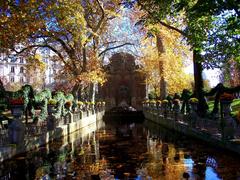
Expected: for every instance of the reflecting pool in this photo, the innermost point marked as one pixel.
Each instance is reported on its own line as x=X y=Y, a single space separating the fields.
x=115 y=150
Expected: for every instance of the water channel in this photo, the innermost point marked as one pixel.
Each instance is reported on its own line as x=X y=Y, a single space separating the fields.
x=108 y=150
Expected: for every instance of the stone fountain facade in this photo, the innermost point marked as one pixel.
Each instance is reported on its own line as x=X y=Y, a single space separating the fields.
x=125 y=85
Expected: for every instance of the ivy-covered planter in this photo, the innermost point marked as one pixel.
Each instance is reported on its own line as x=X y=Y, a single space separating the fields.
x=51 y=107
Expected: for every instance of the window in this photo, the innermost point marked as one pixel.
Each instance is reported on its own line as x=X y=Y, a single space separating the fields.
x=13 y=59
x=12 y=79
x=21 y=69
x=12 y=69
x=21 y=80
x=21 y=60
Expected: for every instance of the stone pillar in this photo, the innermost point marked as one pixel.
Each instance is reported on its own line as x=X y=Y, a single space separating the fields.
x=16 y=130
x=228 y=125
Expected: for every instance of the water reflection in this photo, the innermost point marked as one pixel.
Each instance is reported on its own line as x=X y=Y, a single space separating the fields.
x=123 y=151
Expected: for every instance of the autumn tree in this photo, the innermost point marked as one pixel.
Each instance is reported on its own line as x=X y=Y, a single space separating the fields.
x=210 y=26
x=72 y=30
x=172 y=61
x=169 y=46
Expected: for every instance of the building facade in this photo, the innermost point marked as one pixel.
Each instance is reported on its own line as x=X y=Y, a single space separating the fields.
x=125 y=84
x=13 y=70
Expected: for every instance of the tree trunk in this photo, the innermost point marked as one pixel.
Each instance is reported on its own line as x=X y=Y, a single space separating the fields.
x=76 y=91
x=198 y=89
x=92 y=92
x=163 y=83
x=163 y=88
x=84 y=69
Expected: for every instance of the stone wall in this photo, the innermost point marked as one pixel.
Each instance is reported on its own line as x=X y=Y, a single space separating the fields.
x=32 y=142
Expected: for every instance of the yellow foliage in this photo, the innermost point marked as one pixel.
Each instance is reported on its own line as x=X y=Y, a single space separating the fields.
x=171 y=62
x=92 y=77
x=66 y=28
x=35 y=63
x=35 y=71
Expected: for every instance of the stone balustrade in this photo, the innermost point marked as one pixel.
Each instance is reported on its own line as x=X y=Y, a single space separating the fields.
x=39 y=133
x=221 y=131
x=224 y=126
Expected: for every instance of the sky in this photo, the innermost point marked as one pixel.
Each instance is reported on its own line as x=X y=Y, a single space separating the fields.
x=212 y=74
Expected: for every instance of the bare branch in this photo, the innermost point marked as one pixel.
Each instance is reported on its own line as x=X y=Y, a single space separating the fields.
x=64 y=45
x=173 y=28
x=70 y=51
x=45 y=46
x=100 y=22
x=102 y=18
x=115 y=47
